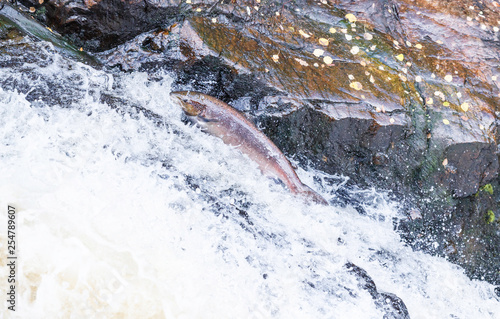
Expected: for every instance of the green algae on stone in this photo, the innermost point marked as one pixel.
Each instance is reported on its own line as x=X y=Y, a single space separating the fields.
x=487 y=188
x=490 y=217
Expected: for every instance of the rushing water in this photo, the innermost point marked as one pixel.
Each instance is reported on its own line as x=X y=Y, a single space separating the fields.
x=125 y=211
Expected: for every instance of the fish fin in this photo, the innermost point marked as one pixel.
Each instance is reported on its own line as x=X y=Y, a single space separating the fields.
x=204 y=119
x=277 y=181
x=311 y=194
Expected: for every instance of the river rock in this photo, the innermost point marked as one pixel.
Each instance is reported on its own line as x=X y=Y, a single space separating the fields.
x=402 y=95
x=103 y=24
x=391 y=305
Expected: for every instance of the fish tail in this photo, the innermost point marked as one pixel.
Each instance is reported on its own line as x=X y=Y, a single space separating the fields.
x=309 y=193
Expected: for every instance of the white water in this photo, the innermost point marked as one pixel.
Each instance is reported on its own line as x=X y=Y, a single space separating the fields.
x=121 y=218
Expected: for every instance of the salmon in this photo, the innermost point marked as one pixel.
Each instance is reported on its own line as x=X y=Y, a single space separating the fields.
x=220 y=119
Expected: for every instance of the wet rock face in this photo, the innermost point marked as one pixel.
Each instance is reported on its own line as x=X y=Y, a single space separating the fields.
x=385 y=155
x=469 y=166
x=391 y=305
x=98 y=25
x=370 y=152
x=403 y=95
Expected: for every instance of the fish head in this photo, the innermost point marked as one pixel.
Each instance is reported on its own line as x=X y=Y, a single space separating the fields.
x=189 y=103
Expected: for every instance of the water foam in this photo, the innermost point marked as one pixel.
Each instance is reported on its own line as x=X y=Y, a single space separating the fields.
x=121 y=214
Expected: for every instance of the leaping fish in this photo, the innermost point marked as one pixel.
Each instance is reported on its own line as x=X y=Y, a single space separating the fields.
x=219 y=119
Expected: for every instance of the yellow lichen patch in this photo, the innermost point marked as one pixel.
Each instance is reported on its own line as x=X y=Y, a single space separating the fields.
x=446 y=103
x=446 y=122
x=332 y=30
x=318 y=52
x=305 y=35
x=400 y=57
x=448 y=78
x=356 y=85
x=372 y=80
x=418 y=46
x=429 y=101
x=465 y=106
x=323 y=41
x=351 y=17
x=328 y=60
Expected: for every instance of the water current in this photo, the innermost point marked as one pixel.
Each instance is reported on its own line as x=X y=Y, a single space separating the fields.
x=126 y=211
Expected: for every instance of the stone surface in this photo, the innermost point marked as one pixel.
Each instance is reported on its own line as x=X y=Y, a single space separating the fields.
x=19 y=20
x=103 y=24
x=391 y=305
x=402 y=95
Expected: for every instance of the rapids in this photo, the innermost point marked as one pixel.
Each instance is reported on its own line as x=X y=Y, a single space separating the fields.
x=125 y=211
